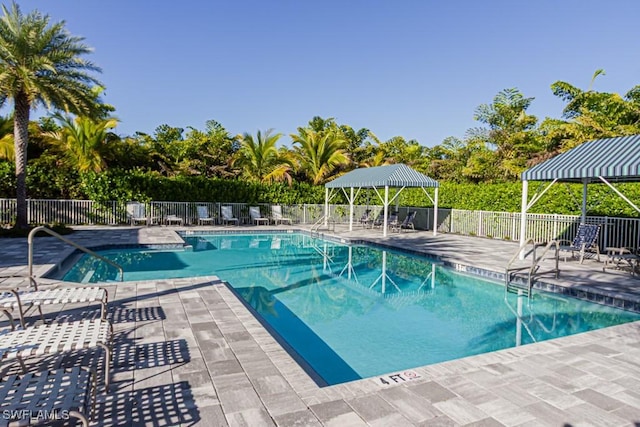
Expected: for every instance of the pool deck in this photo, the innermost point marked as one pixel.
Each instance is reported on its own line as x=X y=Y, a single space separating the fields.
x=188 y=352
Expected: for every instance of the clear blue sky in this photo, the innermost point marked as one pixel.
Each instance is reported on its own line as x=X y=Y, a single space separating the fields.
x=416 y=69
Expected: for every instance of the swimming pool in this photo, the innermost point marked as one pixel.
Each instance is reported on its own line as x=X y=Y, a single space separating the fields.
x=351 y=312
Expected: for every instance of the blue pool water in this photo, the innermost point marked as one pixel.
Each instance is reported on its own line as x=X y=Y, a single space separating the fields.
x=353 y=312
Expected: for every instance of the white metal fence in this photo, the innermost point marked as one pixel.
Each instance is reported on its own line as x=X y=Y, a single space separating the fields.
x=616 y=232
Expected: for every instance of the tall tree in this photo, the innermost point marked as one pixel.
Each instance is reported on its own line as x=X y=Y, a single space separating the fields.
x=41 y=64
x=590 y=115
x=511 y=131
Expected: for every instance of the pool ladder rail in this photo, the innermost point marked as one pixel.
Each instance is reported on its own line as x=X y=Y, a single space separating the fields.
x=50 y=232
x=323 y=223
x=519 y=279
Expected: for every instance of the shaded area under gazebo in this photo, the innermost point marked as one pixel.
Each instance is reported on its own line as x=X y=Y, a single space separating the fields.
x=378 y=178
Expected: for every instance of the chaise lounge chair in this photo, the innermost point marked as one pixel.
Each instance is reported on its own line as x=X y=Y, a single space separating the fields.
x=254 y=213
x=136 y=212
x=406 y=224
x=203 y=215
x=54 y=338
x=622 y=258
x=366 y=219
x=392 y=220
x=15 y=296
x=227 y=215
x=48 y=396
x=585 y=241
x=173 y=219
x=276 y=215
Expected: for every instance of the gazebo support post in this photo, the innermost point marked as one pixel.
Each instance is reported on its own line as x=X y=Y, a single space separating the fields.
x=583 y=217
x=326 y=207
x=351 y=199
x=386 y=210
x=523 y=217
x=435 y=212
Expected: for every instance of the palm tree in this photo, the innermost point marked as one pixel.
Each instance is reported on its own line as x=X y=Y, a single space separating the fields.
x=320 y=154
x=83 y=142
x=261 y=160
x=40 y=64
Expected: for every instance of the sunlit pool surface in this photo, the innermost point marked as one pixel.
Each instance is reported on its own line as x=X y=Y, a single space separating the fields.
x=354 y=312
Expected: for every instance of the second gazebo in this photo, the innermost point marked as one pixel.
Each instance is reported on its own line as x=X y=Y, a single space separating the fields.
x=380 y=179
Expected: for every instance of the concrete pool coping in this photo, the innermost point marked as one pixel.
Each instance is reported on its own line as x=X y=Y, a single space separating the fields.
x=237 y=373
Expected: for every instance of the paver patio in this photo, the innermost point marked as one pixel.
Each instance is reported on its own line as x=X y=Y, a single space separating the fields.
x=188 y=352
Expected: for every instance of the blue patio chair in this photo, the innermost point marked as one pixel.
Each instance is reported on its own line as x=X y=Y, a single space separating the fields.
x=585 y=241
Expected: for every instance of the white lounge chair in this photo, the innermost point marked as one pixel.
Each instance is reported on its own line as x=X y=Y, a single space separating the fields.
x=16 y=295
x=203 y=215
x=136 y=212
x=54 y=338
x=173 y=219
x=227 y=215
x=49 y=394
x=256 y=217
x=276 y=214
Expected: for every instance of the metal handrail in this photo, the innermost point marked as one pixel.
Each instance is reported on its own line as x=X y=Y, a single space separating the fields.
x=546 y=249
x=33 y=232
x=316 y=225
x=534 y=262
x=517 y=254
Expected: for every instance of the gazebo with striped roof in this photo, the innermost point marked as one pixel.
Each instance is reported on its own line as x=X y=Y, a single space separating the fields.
x=601 y=160
x=382 y=177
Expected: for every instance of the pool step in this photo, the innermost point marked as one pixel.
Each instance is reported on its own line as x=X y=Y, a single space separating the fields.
x=87 y=277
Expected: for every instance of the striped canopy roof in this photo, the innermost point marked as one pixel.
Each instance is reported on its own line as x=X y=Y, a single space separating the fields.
x=616 y=159
x=399 y=175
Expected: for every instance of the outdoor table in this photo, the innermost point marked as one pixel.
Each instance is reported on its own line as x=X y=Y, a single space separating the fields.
x=621 y=258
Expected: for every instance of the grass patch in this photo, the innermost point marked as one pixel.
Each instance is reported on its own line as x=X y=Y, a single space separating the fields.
x=24 y=232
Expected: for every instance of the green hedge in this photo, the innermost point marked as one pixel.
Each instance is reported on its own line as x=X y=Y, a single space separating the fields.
x=139 y=185
x=506 y=197
x=47 y=180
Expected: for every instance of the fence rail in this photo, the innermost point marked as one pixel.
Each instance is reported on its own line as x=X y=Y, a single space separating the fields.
x=614 y=231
